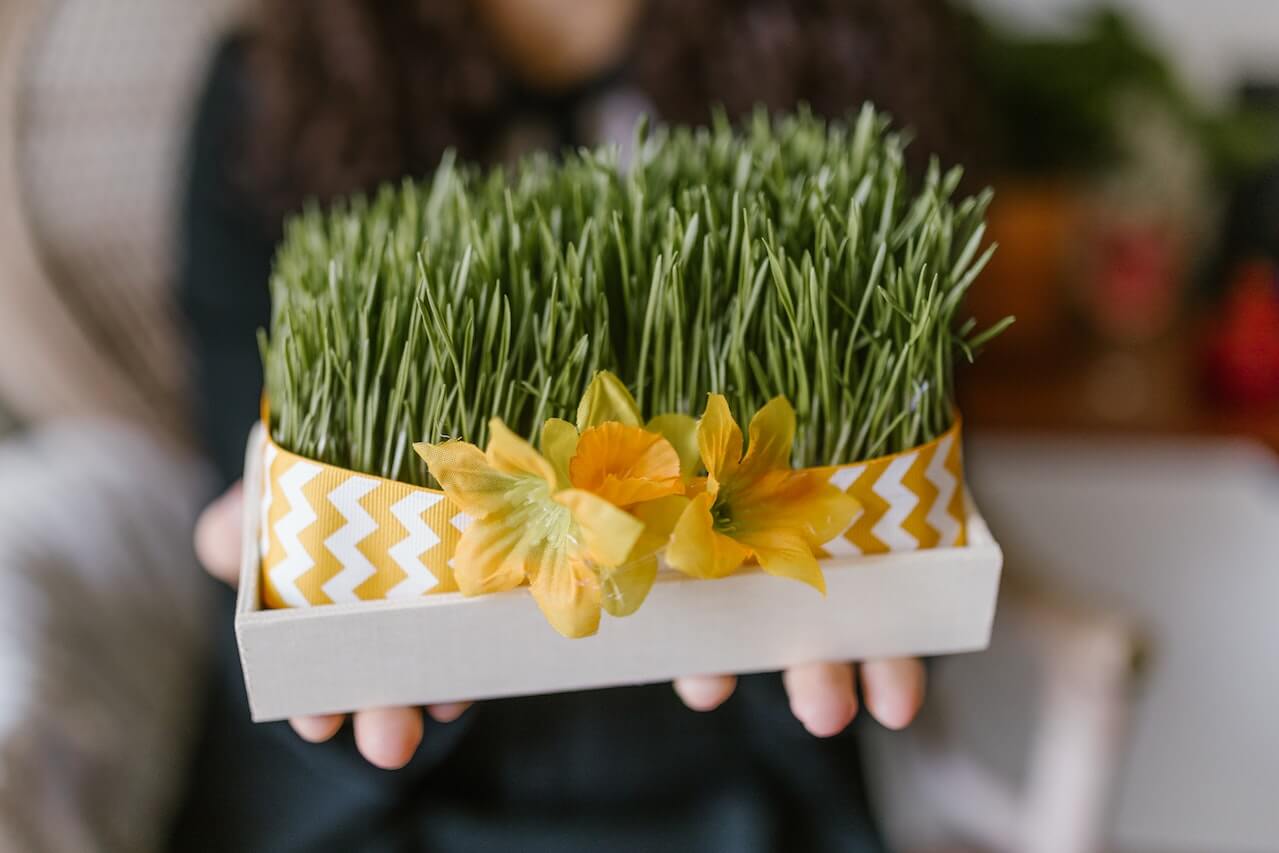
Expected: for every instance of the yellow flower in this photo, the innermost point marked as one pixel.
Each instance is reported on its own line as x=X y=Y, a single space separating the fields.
x=581 y=524
x=525 y=528
x=610 y=454
x=610 y=466
x=756 y=506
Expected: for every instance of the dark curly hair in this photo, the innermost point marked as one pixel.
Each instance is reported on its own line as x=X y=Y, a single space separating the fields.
x=907 y=56
x=347 y=94
x=350 y=93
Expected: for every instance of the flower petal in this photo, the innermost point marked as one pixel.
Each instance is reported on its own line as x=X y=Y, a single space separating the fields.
x=607 y=533
x=567 y=591
x=559 y=443
x=719 y=440
x=659 y=518
x=490 y=556
x=607 y=399
x=464 y=473
x=625 y=465
x=828 y=510
x=510 y=454
x=802 y=501
x=786 y=554
x=681 y=432
x=697 y=550
x=772 y=435
x=624 y=588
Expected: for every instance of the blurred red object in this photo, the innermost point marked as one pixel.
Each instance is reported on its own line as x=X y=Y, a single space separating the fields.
x=1135 y=287
x=1242 y=350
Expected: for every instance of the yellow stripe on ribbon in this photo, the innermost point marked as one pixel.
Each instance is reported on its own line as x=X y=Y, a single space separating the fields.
x=909 y=501
x=332 y=535
x=335 y=536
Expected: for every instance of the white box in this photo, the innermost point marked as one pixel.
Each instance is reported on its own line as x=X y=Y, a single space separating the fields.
x=442 y=648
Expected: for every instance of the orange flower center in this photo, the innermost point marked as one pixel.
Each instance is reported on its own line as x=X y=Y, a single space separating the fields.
x=625 y=465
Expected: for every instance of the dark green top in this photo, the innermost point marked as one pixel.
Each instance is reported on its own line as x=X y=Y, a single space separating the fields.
x=623 y=769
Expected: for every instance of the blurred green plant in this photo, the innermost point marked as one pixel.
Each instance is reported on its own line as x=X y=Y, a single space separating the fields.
x=1059 y=100
x=789 y=257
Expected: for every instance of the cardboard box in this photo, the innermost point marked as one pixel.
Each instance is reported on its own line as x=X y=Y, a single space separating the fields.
x=442 y=648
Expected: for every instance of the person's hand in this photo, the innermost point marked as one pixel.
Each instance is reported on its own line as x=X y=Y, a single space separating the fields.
x=821 y=695
x=386 y=737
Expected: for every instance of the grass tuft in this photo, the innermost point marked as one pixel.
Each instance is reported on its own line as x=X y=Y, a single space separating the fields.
x=789 y=256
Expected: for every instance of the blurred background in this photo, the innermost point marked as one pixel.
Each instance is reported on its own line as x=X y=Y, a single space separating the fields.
x=1122 y=433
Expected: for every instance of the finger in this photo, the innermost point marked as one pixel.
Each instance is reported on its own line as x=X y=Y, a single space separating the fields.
x=317 y=729
x=388 y=737
x=705 y=692
x=893 y=690
x=821 y=696
x=217 y=535
x=447 y=712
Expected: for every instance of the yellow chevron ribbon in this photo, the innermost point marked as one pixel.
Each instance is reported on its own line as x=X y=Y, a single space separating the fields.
x=331 y=535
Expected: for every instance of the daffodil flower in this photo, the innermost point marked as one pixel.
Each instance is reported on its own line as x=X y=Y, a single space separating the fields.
x=581 y=524
x=525 y=528
x=642 y=469
x=756 y=506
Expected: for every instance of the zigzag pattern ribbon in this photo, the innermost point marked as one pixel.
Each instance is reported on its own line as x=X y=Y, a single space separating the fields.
x=330 y=535
x=333 y=536
x=909 y=501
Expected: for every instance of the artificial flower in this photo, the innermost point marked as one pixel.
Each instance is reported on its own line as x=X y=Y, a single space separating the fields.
x=611 y=454
x=755 y=506
x=581 y=522
x=626 y=452
x=524 y=527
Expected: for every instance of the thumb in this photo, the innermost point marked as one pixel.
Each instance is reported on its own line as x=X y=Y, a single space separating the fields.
x=218 y=535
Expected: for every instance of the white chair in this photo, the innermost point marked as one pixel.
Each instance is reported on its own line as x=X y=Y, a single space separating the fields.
x=1072 y=669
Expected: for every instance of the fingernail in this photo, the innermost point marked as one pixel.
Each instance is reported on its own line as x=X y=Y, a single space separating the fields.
x=823 y=717
x=704 y=693
x=448 y=711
